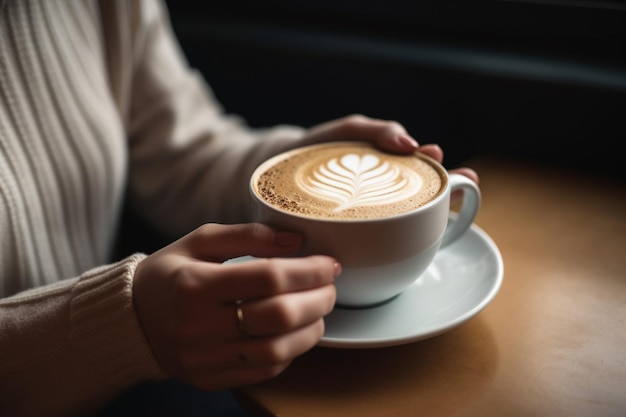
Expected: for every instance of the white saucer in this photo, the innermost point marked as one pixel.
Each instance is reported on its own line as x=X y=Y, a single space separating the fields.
x=463 y=279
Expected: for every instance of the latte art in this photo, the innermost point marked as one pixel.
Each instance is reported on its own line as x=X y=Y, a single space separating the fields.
x=347 y=181
x=359 y=180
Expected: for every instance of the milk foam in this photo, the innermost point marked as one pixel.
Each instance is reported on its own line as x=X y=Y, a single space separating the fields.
x=348 y=182
x=359 y=180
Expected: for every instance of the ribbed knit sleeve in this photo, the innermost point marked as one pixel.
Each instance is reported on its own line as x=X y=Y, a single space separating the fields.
x=96 y=99
x=69 y=348
x=190 y=161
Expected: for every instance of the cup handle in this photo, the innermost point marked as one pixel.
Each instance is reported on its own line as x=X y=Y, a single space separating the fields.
x=468 y=211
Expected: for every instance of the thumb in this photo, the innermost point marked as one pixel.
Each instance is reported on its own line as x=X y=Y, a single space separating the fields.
x=385 y=134
x=218 y=243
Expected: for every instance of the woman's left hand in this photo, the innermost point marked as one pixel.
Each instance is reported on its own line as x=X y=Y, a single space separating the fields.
x=388 y=135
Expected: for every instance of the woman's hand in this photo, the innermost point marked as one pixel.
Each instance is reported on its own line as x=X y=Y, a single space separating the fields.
x=187 y=301
x=388 y=135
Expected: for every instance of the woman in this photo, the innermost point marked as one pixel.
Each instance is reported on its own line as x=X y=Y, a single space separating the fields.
x=97 y=98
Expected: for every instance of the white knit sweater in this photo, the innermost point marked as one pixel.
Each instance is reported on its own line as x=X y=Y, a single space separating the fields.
x=96 y=96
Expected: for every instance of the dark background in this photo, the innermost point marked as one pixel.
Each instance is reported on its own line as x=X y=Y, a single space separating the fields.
x=542 y=80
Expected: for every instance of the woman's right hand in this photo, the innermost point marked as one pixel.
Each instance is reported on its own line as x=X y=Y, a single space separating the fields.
x=187 y=301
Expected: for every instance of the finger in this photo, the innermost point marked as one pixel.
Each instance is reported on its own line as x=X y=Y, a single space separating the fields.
x=387 y=135
x=432 y=150
x=218 y=242
x=287 y=312
x=280 y=348
x=261 y=278
x=242 y=355
x=457 y=196
x=263 y=317
x=212 y=290
x=468 y=172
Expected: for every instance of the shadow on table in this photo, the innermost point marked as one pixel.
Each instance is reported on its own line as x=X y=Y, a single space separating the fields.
x=340 y=378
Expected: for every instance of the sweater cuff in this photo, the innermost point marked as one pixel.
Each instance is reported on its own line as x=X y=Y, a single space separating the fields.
x=106 y=329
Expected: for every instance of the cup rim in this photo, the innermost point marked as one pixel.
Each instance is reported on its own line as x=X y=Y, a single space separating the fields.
x=270 y=161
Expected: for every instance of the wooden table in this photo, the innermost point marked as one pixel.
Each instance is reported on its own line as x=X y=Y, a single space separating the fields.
x=551 y=343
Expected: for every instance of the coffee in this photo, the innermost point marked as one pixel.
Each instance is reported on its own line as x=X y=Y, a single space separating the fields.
x=348 y=181
x=382 y=216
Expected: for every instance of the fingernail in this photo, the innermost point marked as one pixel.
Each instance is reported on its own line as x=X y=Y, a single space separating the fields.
x=287 y=239
x=337 y=268
x=407 y=141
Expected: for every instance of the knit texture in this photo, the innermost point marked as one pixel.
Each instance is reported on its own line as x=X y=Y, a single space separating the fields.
x=96 y=98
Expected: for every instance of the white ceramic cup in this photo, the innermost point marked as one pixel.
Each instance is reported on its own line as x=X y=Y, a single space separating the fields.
x=380 y=257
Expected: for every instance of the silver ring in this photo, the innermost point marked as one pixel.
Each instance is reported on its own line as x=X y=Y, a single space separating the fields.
x=239 y=316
